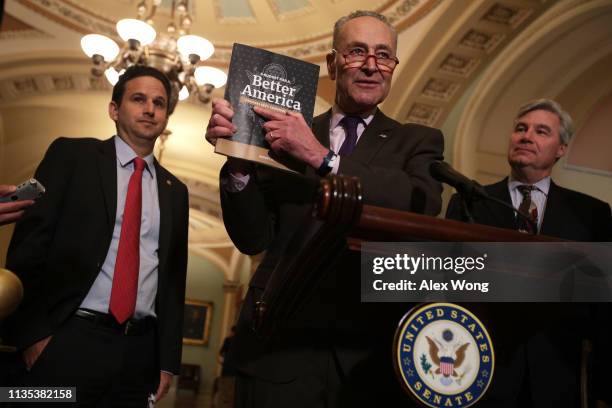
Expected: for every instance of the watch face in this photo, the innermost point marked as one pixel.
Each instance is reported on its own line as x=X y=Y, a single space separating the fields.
x=332 y=161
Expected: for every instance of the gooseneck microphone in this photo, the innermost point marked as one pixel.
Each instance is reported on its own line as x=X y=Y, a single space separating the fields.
x=443 y=172
x=470 y=189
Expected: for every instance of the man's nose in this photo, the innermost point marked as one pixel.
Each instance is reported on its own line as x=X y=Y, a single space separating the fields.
x=370 y=64
x=527 y=136
x=149 y=108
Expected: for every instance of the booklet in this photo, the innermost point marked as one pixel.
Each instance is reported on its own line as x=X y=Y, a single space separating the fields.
x=259 y=77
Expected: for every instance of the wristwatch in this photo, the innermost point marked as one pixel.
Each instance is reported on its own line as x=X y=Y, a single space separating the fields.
x=328 y=163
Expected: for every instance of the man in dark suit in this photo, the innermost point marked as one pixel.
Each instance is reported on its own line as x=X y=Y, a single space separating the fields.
x=103 y=258
x=538 y=361
x=542 y=131
x=335 y=351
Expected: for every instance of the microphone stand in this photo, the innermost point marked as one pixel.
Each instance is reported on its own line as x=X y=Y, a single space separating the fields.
x=467 y=198
x=470 y=189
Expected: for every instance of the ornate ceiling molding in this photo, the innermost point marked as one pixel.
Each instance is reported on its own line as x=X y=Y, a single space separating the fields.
x=540 y=62
x=451 y=68
x=73 y=17
x=308 y=45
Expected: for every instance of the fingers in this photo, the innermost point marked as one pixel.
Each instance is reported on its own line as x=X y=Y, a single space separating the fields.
x=11 y=217
x=15 y=206
x=164 y=385
x=270 y=114
x=10 y=212
x=275 y=140
x=223 y=108
x=7 y=189
x=219 y=121
x=220 y=124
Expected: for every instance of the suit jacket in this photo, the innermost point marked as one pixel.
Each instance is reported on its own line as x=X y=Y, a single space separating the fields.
x=569 y=214
x=58 y=247
x=392 y=160
x=538 y=364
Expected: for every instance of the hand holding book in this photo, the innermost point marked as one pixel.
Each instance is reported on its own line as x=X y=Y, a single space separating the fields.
x=220 y=123
x=220 y=126
x=289 y=133
x=260 y=78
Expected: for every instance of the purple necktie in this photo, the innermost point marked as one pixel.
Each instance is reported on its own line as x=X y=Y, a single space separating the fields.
x=350 y=125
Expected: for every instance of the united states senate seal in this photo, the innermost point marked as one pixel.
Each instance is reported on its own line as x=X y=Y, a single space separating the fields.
x=443 y=355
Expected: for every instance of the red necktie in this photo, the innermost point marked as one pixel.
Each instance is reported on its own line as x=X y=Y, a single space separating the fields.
x=127 y=264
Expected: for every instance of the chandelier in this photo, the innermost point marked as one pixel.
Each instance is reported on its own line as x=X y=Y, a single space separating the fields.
x=175 y=52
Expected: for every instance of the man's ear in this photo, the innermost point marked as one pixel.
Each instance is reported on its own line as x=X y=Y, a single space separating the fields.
x=331 y=65
x=561 y=151
x=113 y=111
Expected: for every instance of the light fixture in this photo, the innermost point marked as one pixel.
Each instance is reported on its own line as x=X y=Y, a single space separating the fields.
x=175 y=51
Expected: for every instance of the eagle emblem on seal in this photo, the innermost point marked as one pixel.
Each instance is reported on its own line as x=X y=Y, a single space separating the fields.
x=448 y=359
x=443 y=355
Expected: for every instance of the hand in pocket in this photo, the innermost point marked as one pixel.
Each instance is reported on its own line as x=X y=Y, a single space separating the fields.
x=31 y=354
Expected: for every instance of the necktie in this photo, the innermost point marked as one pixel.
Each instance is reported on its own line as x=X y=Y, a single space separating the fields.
x=350 y=141
x=527 y=207
x=127 y=264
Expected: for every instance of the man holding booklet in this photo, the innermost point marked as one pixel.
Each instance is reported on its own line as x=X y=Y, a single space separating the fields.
x=336 y=351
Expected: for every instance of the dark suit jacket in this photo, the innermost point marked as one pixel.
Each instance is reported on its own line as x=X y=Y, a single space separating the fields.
x=538 y=364
x=58 y=247
x=392 y=160
x=569 y=214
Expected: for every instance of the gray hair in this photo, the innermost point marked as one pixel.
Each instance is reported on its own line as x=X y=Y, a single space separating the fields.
x=566 y=129
x=361 y=13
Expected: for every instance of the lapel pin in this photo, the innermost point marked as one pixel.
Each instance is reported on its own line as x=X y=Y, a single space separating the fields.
x=168 y=182
x=382 y=136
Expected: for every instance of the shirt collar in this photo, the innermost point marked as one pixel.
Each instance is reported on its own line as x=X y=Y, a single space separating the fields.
x=543 y=185
x=337 y=116
x=125 y=155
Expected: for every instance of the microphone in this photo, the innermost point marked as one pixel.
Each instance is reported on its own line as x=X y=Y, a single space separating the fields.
x=468 y=189
x=444 y=173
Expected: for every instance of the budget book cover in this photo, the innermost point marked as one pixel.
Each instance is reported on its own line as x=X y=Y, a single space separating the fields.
x=259 y=77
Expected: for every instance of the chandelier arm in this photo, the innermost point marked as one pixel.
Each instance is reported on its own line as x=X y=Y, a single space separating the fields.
x=153 y=9
x=182 y=70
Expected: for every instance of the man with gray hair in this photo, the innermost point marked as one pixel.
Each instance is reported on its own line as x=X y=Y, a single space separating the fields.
x=538 y=364
x=542 y=131
x=335 y=350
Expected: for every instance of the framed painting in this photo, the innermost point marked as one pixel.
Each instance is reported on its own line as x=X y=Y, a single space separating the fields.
x=196 y=325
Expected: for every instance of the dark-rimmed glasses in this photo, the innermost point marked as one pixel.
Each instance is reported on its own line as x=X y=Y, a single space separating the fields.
x=356 y=57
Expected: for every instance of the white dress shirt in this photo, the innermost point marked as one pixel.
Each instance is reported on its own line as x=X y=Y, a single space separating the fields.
x=538 y=195
x=98 y=298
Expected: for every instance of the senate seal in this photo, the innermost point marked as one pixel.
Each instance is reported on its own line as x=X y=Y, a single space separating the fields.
x=443 y=355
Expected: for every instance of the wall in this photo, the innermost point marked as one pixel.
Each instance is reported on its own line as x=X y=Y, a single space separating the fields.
x=205 y=282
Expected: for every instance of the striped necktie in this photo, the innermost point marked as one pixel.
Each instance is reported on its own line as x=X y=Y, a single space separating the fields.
x=528 y=207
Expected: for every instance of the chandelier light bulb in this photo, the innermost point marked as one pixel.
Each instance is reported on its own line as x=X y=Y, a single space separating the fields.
x=183 y=93
x=194 y=44
x=96 y=44
x=111 y=75
x=132 y=29
x=210 y=75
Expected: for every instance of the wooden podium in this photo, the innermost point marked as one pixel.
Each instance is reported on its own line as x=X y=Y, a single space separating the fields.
x=340 y=219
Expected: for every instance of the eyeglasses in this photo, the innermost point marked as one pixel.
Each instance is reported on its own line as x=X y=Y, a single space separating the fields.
x=356 y=57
